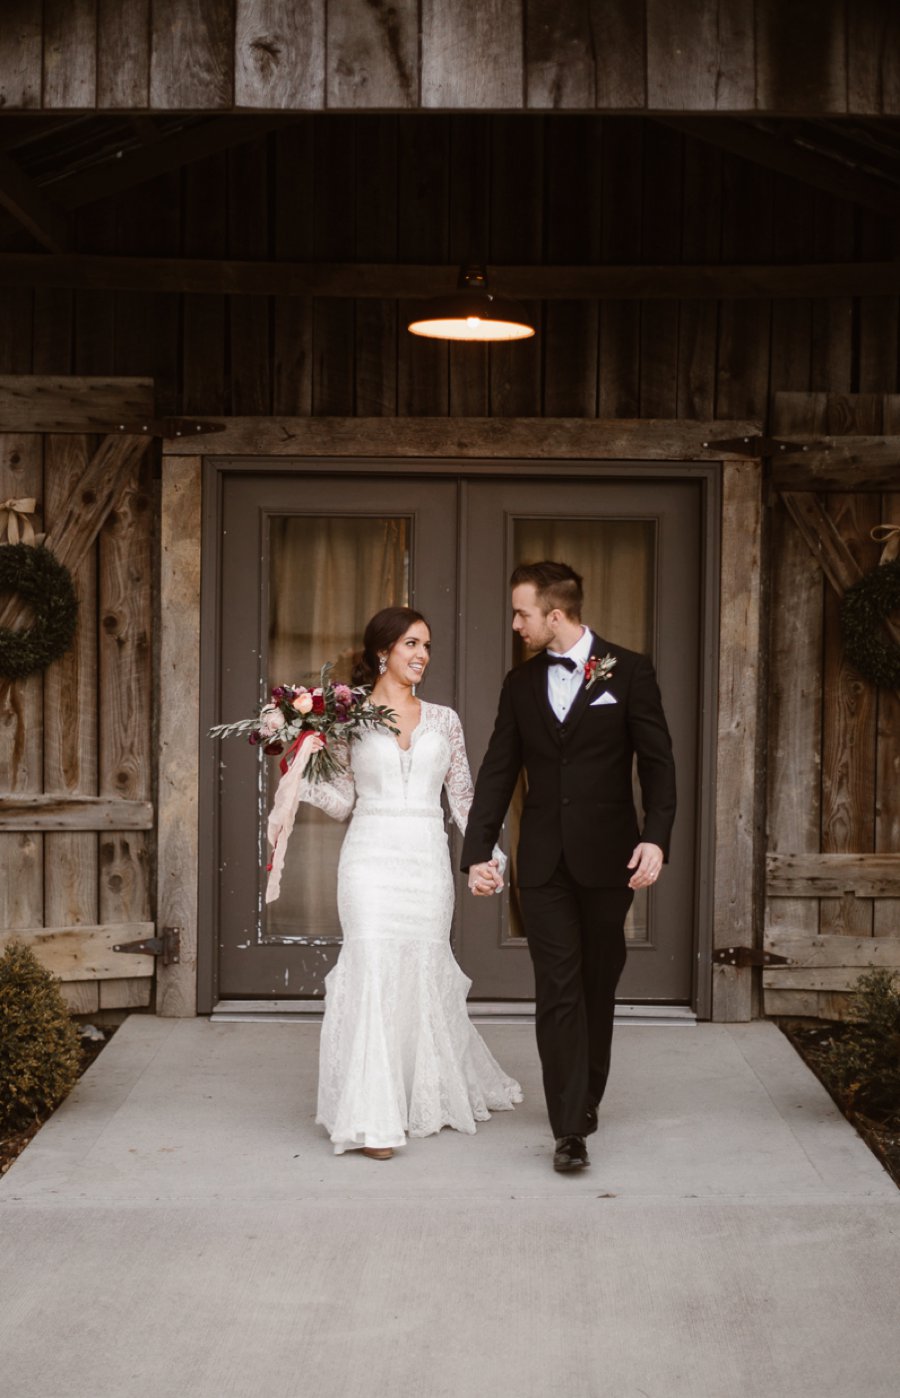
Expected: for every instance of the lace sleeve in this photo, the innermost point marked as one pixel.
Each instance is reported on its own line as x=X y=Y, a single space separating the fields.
x=458 y=781
x=336 y=798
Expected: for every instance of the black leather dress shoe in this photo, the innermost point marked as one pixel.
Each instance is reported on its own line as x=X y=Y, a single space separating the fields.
x=591 y=1125
x=570 y=1154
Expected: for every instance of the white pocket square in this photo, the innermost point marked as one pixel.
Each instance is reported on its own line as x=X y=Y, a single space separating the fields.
x=605 y=698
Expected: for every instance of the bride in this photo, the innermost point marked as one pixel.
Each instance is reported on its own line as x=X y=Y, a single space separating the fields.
x=398 y=1054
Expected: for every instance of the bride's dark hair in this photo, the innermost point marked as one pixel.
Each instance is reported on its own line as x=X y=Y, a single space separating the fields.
x=383 y=631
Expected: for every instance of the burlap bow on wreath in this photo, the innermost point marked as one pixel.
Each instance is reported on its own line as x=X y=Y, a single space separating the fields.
x=30 y=571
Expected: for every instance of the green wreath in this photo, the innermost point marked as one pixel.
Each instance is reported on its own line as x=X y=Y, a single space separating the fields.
x=865 y=606
x=46 y=586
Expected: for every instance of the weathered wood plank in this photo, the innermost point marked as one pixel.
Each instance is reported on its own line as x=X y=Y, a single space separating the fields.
x=794 y=807
x=822 y=473
x=663 y=194
x=126 y=682
x=700 y=240
x=831 y=952
x=248 y=219
x=423 y=168
x=86 y=953
x=516 y=226
x=620 y=41
x=21 y=723
x=472 y=55
x=63 y=811
x=70 y=714
x=130 y=994
x=821 y=978
x=572 y=229
x=873 y=59
x=373 y=55
x=81 y=997
x=376 y=329
x=293 y=349
x=735 y=914
x=192 y=55
x=123 y=54
x=742 y=387
x=700 y=57
x=849 y=715
x=204 y=317
x=469 y=200
x=146 y=331
x=886 y=913
x=815 y=29
x=823 y=539
x=106 y=476
x=179 y=719
x=619 y=392
x=735 y=279
x=280 y=54
x=70 y=53
x=332 y=323
x=20 y=55
x=812 y=875
x=71 y=403
x=560 y=58
x=528 y=438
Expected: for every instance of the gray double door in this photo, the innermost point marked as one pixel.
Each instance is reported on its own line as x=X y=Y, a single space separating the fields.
x=306 y=559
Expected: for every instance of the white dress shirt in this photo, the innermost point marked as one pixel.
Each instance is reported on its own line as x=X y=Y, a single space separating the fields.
x=563 y=684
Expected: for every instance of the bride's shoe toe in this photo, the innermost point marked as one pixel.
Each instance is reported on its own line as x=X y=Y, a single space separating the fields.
x=377 y=1153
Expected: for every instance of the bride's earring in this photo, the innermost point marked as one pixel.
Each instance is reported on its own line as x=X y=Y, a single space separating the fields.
x=382 y=664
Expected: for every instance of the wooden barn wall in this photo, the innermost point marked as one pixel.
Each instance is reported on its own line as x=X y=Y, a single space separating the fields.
x=834 y=743
x=76 y=758
x=436 y=189
x=735 y=55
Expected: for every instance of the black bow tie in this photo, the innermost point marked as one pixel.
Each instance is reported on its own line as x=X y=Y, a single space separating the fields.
x=562 y=660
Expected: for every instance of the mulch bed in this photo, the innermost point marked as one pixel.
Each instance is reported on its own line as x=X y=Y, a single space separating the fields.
x=12 y=1143
x=811 y=1041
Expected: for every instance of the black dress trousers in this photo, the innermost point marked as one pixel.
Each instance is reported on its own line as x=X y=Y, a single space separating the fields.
x=576 y=936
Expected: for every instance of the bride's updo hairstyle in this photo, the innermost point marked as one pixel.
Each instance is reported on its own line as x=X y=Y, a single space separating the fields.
x=382 y=632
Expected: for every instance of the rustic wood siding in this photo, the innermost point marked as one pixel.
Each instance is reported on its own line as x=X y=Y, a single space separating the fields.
x=834 y=56
x=834 y=739
x=494 y=188
x=75 y=741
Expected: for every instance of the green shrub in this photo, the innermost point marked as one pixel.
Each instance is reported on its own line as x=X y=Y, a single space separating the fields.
x=39 y=1048
x=864 y=1059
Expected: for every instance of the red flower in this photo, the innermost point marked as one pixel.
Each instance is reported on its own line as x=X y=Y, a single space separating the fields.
x=318 y=703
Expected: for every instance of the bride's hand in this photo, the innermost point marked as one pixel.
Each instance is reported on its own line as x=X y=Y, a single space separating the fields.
x=312 y=743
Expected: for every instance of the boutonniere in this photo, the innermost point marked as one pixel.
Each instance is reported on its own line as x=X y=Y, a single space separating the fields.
x=597 y=671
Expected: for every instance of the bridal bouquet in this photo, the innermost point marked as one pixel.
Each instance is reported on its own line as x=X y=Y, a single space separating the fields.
x=333 y=711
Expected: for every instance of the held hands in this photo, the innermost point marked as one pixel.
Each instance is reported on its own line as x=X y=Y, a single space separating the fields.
x=646 y=862
x=485 y=879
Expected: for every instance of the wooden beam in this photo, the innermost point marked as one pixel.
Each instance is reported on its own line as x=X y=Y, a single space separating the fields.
x=410 y=281
x=108 y=471
x=538 y=439
x=832 y=875
x=86 y=953
x=64 y=812
x=30 y=403
x=158 y=154
x=805 y=950
x=30 y=206
x=779 y=150
x=838 y=463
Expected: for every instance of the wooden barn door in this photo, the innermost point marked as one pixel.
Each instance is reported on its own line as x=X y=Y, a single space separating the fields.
x=76 y=817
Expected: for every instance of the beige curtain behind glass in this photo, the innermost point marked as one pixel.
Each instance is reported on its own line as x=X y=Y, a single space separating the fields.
x=327 y=577
x=616 y=558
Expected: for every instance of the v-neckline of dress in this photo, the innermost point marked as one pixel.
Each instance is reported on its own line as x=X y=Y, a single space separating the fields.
x=412 y=731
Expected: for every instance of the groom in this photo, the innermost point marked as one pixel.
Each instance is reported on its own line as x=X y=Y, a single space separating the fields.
x=573 y=717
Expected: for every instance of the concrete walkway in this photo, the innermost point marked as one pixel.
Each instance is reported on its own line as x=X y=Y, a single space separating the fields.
x=180 y=1228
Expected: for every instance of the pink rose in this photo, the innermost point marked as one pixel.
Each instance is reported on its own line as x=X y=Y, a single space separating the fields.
x=343 y=694
x=303 y=702
x=271 y=720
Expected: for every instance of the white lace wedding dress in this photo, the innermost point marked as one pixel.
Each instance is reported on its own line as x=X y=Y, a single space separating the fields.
x=398 y=1054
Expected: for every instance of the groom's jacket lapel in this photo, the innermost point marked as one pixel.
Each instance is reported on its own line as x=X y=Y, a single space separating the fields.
x=580 y=702
x=539 y=668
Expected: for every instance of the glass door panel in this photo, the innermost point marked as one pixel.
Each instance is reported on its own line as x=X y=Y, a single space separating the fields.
x=306 y=560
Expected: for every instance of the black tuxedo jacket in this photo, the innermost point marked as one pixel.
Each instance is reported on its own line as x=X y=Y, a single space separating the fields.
x=579 y=801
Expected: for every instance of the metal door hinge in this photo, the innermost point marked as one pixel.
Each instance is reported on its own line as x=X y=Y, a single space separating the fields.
x=167 y=945
x=747 y=956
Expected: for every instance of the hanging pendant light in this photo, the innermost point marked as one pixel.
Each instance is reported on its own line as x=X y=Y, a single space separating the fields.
x=472 y=313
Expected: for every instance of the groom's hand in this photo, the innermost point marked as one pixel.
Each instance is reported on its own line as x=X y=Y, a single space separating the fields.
x=646 y=862
x=484 y=879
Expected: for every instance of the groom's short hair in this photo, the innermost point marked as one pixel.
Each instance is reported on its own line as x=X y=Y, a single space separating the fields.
x=555 y=585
